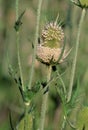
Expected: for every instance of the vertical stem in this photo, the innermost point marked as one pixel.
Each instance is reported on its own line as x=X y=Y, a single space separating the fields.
x=19 y=61
x=17 y=41
x=26 y=121
x=17 y=6
x=44 y=102
x=65 y=114
x=26 y=105
x=75 y=55
x=64 y=123
x=35 y=43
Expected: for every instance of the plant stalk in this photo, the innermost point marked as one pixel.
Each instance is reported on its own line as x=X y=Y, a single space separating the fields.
x=20 y=69
x=75 y=55
x=35 y=43
x=17 y=42
x=26 y=120
x=44 y=102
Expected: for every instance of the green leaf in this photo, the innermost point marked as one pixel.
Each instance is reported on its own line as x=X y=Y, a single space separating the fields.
x=28 y=94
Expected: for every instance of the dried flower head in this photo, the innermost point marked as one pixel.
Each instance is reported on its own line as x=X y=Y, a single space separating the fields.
x=50 y=48
x=49 y=56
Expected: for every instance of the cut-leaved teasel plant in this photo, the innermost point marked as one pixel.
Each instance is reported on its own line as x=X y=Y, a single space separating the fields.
x=50 y=52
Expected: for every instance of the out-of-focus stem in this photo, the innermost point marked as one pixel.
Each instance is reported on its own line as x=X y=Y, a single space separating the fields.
x=35 y=43
x=75 y=55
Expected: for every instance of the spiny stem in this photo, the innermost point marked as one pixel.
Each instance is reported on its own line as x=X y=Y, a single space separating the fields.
x=17 y=41
x=75 y=55
x=35 y=43
x=44 y=102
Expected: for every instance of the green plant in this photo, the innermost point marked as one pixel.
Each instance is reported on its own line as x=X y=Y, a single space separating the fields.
x=51 y=52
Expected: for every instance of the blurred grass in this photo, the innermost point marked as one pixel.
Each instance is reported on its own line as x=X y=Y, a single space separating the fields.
x=9 y=94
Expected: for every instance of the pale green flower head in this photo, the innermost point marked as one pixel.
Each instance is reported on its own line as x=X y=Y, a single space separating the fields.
x=52 y=35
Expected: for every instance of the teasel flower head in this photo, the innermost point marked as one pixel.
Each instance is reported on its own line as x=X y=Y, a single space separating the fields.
x=52 y=36
x=51 y=44
x=81 y=3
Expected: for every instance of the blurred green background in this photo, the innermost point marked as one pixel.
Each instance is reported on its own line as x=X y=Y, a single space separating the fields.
x=10 y=98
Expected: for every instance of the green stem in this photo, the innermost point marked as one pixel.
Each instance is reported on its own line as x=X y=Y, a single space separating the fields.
x=19 y=61
x=35 y=43
x=17 y=41
x=26 y=120
x=63 y=85
x=17 y=6
x=64 y=123
x=75 y=55
x=26 y=123
x=44 y=102
x=65 y=114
